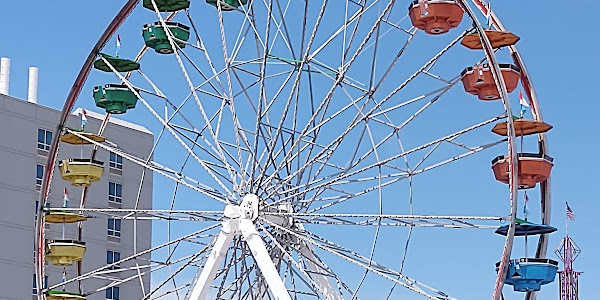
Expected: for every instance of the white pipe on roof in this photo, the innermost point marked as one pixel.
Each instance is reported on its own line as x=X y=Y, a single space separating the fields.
x=4 y=75
x=32 y=91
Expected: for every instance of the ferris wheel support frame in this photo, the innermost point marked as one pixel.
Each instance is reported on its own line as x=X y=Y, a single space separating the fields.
x=240 y=223
x=128 y=7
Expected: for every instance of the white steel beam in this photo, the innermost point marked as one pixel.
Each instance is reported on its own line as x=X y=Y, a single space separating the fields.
x=263 y=260
x=202 y=285
x=322 y=281
x=239 y=224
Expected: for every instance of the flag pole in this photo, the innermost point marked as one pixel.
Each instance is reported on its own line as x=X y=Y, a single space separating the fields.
x=567 y=220
x=117 y=50
x=525 y=213
x=65 y=205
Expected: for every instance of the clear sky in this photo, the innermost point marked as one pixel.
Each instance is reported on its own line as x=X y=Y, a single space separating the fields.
x=558 y=44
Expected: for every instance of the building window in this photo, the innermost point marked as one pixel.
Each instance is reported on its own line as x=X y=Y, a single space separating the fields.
x=39 y=175
x=112 y=293
x=111 y=257
x=37 y=206
x=114 y=227
x=115 y=191
x=35 y=284
x=44 y=139
x=115 y=161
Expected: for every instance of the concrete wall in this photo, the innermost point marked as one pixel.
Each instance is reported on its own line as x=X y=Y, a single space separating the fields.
x=19 y=123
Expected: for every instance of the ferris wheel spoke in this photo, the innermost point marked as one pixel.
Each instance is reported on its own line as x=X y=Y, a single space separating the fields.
x=261 y=96
x=391 y=220
x=366 y=263
x=424 y=146
x=323 y=161
x=408 y=120
x=333 y=179
x=249 y=19
x=285 y=32
x=132 y=257
x=291 y=134
x=279 y=24
x=393 y=177
x=196 y=135
x=331 y=74
x=316 y=281
x=171 y=277
x=150 y=214
x=221 y=91
x=378 y=106
x=230 y=103
x=229 y=263
x=343 y=195
x=385 y=111
x=297 y=80
x=200 y=43
x=402 y=49
x=428 y=64
x=367 y=130
x=304 y=134
x=162 y=170
x=213 y=135
x=149 y=268
x=200 y=161
x=396 y=128
x=269 y=146
x=268 y=153
x=354 y=18
x=343 y=72
x=243 y=33
x=165 y=124
x=237 y=161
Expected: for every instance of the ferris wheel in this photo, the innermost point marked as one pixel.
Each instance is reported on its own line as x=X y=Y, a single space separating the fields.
x=310 y=150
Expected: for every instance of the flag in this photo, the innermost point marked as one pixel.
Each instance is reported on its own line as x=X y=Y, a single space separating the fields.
x=523 y=102
x=423 y=7
x=479 y=69
x=570 y=213
x=118 y=44
x=66 y=198
x=525 y=206
x=83 y=114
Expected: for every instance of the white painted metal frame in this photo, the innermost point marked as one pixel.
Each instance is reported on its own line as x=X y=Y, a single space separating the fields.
x=247 y=167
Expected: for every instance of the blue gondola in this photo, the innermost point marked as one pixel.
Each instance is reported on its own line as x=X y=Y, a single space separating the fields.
x=529 y=274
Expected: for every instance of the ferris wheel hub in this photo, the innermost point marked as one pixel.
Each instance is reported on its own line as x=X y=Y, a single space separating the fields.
x=248 y=209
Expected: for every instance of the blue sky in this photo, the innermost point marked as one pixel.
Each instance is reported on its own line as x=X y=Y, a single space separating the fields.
x=558 y=44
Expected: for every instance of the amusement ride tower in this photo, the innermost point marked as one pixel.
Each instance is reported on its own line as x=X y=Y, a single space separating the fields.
x=568 y=252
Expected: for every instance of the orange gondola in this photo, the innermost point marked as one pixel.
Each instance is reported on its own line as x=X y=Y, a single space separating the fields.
x=435 y=16
x=478 y=80
x=522 y=127
x=533 y=168
x=497 y=39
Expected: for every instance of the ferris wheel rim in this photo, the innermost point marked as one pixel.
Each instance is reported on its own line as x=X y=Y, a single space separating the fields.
x=545 y=187
x=52 y=152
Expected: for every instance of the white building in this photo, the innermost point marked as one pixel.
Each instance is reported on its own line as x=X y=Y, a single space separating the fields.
x=26 y=131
